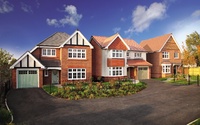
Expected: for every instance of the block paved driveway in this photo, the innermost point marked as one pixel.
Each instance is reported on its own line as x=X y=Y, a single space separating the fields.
x=159 y=103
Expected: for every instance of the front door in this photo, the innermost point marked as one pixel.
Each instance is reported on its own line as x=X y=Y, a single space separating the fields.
x=55 y=76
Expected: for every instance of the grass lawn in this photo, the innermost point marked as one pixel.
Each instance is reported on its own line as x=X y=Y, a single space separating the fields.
x=179 y=80
x=95 y=90
x=196 y=122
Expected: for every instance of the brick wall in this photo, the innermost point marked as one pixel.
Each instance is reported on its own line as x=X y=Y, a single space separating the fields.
x=75 y=63
x=156 y=59
x=38 y=54
x=47 y=79
x=13 y=82
x=96 y=59
x=40 y=78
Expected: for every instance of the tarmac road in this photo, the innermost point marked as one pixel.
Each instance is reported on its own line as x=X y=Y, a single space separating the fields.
x=158 y=104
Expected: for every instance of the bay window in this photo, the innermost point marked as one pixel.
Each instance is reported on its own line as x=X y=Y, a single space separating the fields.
x=115 y=71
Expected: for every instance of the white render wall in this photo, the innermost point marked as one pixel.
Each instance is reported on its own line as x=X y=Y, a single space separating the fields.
x=107 y=54
x=132 y=55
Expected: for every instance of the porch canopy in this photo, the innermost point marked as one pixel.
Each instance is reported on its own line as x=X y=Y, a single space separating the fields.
x=137 y=62
x=52 y=64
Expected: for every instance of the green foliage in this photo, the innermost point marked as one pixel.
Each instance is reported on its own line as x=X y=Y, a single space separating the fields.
x=50 y=89
x=191 y=52
x=4 y=116
x=96 y=90
x=6 y=61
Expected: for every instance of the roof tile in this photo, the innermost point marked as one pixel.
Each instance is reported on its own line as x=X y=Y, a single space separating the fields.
x=103 y=41
x=138 y=62
x=155 y=44
x=55 y=40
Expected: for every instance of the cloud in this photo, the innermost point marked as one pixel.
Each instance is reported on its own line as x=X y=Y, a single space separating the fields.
x=72 y=18
x=143 y=16
x=116 y=29
x=26 y=8
x=5 y=6
x=52 y=22
x=196 y=13
x=184 y=27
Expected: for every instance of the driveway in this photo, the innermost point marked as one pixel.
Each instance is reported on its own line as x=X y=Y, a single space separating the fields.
x=159 y=103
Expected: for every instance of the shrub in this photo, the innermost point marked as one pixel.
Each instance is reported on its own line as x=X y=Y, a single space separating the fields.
x=91 y=90
x=4 y=116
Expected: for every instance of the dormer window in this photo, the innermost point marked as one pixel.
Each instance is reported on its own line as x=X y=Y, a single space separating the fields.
x=49 y=52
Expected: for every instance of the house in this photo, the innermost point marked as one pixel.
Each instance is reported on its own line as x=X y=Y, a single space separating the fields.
x=165 y=55
x=115 y=57
x=58 y=59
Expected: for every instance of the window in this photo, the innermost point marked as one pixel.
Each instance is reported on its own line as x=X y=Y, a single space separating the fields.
x=127 y=54
x=138 y=55
x=176 y=55
x=166 y=68
x=76 y=53
x=46 y=73
x=117 y=54
x=48 y=52
x=115 y=71
x=76 y=74
x=165 y=55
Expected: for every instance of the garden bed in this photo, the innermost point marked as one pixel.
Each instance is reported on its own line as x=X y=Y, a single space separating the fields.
x=81 y=90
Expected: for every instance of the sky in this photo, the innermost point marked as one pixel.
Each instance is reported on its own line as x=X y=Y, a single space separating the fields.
x=25 y=23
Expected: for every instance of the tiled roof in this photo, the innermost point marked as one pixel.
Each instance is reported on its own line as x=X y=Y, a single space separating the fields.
x=103 y=41
x=155 y=44
x=51 y=63
x=134 y=45
x=138 y=62
x=55 y=40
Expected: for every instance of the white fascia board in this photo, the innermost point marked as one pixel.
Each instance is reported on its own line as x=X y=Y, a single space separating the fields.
x=74 y=35
x=121 y=40
x=57 y=68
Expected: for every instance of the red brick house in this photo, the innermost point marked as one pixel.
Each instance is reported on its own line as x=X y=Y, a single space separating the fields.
x=58 y=59
x=165 y=55
x=115 y=57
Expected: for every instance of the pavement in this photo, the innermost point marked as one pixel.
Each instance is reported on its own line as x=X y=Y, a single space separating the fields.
x=160 y=103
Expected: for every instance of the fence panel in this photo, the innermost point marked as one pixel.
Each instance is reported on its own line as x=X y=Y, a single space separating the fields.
x=194 y=71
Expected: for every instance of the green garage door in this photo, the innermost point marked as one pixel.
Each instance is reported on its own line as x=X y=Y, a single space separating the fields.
x=27 y=78
x=143 y=73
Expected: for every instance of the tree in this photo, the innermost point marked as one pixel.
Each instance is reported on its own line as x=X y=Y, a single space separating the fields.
x=192 y=51
x=6 y=60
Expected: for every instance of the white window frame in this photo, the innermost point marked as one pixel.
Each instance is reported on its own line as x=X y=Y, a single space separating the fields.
x=46 y=74
x=176 y=55
x=165 y=55
x=117 y=54
x=138 y=55
x=49 y=52
x=166 y=68
x=76 y=73
x=115 y=71
x=76 y=53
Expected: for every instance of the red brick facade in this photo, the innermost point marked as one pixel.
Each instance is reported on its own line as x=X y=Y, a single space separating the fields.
x=96 y=59
x=157 y=60
x=75 y=63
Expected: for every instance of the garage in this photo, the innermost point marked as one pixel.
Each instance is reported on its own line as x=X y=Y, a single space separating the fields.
x=143 y=73
x=27 y=78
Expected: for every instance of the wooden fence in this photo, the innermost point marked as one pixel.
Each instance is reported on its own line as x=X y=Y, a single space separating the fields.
x=194 y=71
